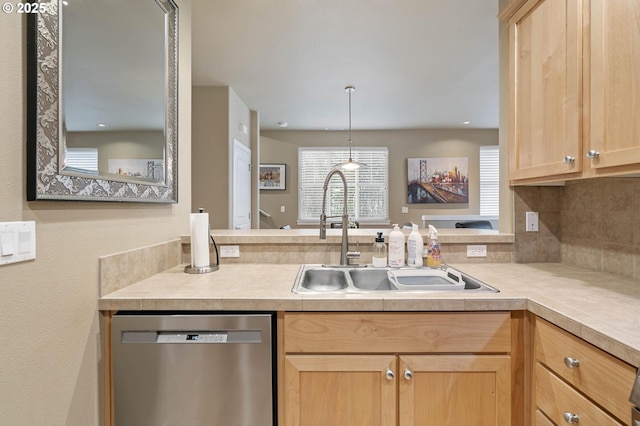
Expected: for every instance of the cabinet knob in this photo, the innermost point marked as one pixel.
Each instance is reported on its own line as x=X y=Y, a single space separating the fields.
x=408 y=374
x=389 y=374
x=593 y=154
x=569 y=159
x=571 y=362
x=570 y=417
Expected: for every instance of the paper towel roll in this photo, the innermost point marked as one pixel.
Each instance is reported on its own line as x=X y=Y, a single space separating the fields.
x=199 y=240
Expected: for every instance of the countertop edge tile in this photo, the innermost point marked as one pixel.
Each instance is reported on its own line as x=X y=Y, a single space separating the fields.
x=183 y=304
x=608 y=344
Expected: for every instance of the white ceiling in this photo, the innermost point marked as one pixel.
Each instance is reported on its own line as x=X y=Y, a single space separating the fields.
x=414 y=63
x=113 y=74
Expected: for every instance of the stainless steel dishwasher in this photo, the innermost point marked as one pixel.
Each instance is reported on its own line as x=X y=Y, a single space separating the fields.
x=193 y=369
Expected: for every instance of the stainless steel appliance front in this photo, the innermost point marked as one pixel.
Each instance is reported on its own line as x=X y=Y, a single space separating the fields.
x=186 y=369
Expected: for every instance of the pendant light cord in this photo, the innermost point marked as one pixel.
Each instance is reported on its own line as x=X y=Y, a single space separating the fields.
x=349 y=90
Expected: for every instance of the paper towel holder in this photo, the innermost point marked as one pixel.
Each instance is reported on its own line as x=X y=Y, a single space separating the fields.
x=205 y=269
x=189 y=269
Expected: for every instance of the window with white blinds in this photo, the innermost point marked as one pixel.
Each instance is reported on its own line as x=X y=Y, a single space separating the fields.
x=489 y=180
x=83 y=159
x=367 y=199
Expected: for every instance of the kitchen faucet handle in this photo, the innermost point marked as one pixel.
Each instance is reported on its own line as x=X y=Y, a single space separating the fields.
x=354 y=254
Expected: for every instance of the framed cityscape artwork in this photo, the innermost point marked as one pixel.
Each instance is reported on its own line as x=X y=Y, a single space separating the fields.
x=438 y=180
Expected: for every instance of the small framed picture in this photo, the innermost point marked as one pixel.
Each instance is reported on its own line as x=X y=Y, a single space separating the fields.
x=273 y=176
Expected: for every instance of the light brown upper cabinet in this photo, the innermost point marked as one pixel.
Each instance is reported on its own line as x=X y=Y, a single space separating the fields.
x=615 y=85
x=574 y=89
x=545 y=54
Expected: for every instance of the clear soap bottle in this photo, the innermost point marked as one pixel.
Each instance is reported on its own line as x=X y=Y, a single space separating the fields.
x=379 y=256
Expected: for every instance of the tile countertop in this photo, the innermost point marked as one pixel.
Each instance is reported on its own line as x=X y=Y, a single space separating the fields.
x=603 y=309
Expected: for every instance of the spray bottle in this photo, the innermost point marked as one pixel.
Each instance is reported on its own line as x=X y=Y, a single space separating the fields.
x=433 y=256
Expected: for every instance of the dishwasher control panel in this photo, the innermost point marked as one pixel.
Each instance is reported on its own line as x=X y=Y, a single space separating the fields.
x=192 y=337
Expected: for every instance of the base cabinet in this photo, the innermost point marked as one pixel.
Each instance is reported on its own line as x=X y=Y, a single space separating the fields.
x=397 y=369
x=574 y=382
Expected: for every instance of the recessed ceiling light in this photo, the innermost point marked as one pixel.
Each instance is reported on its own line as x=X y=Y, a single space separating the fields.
x=466 y=122
x=102 y=125
x=283 y=123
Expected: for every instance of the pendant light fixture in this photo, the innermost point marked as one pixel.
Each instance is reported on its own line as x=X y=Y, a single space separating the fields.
x=350 y=164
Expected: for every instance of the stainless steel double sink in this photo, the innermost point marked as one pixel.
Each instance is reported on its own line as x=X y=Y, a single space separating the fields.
x=320 y=279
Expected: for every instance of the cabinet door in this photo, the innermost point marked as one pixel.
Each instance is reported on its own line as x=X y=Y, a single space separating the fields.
x=545 y=127
x=326 y=390
x=454 y=390
x=615 y=83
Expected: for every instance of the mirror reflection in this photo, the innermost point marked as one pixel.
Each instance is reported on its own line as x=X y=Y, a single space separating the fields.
x=114 y=79
x=102 y=116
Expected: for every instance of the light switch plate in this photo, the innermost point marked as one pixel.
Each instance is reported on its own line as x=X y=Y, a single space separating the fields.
x=17 y=242
x=532 y=221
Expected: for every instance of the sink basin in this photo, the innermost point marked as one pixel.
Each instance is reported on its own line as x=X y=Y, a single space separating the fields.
x=324 y=279
x=319 y=279
x=371 y=279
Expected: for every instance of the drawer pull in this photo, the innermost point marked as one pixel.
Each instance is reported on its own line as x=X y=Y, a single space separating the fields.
x=571 y=418
x=571 y=362
x=569 y=159
x=389 y=374
x=408 y=374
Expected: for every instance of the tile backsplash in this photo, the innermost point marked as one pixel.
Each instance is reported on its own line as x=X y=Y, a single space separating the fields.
x=122 y=269
x=593 y=224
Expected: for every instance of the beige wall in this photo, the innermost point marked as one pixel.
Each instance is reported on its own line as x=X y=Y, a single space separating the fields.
x=210 y=167
x=217 y=115
x=282 y=147
x=51 y=349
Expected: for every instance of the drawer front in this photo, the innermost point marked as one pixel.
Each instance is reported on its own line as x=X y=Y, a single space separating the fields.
x=555 y=398
x=542 y=420
x=464 y=332
x=600 y=376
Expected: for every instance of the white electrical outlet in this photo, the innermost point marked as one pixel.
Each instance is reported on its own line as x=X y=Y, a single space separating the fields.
x=532 y=222
x=282 y=209
x=405 y=209
x=479 y=250
x=229 y=251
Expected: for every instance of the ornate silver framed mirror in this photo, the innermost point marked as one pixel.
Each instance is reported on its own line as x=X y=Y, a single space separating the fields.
x=102 y=94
